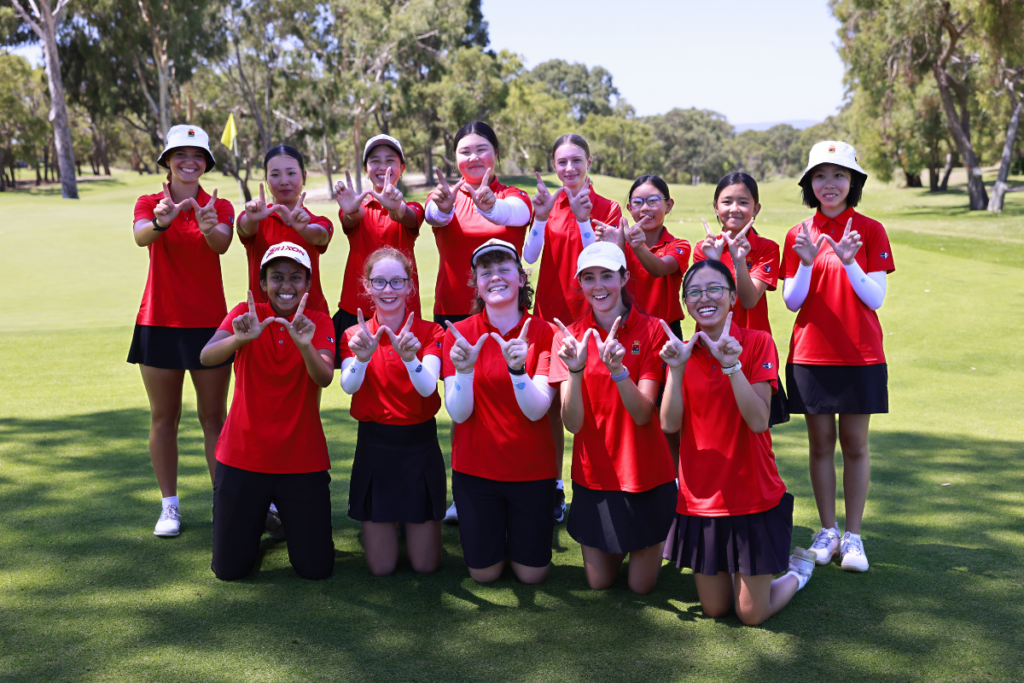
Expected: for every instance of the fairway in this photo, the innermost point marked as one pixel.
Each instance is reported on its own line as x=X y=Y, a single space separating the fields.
x=87 y=593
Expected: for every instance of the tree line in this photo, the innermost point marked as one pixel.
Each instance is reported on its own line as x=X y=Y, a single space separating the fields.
x=931 y=86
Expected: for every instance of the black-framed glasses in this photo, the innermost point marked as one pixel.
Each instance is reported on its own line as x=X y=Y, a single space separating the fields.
x=714 y=293
x=397 y=283
x=653 y=202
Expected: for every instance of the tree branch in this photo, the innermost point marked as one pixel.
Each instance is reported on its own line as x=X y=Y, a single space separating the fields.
x=27 y=19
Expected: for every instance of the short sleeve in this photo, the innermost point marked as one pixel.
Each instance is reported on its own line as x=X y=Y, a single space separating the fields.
x=762 y=363
x=432 y=341
x=559 y=372
x=680 y=251
x=766 y=264
x=878 y=250
x=144 y=206
x=417 y=209
x=542 y=350
x=447 y=366
x=225 y=212
x=323 y=336
x=346 y=337
x=653 y=367
x=698 y=253
x=790 y=260
x=232 y=314
x=327 y=225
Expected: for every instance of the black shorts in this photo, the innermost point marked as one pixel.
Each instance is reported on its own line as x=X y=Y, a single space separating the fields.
x=504 y=519
x=342 y=321
x=838 y=389
x=397 y=474
x=621 y=522
x=749 y=544
x=442 y=319
x=171 y=348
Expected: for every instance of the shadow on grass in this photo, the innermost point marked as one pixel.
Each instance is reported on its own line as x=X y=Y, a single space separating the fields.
x=88 y=587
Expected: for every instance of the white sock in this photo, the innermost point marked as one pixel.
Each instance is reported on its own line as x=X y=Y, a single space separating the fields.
x=854 y=536
x=559 y=484
x=801 y=579
x=169 y=501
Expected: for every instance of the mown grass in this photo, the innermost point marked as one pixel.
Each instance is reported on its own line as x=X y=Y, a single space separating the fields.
x=87 y=593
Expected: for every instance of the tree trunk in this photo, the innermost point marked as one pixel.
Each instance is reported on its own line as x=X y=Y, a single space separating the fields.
x=959 y=130
x=913 y=179
x=357 y=124
x=327 y=168
x=933 y=178
x=999 y=190
x=946 y=171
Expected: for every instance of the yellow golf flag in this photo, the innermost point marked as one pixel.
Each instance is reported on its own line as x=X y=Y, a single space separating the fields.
x=230 y=132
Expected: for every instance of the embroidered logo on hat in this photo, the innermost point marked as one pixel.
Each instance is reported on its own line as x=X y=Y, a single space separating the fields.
x=767 y=366
x=832 y=149
x=191 y=133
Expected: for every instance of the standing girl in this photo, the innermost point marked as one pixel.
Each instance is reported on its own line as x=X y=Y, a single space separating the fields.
x=186 y=230
x=734 y=520
x=273 y=448
x=376 y=218
x=495 y=369
x=398 y=473
x=622 y=479
x=753 y=260
x=263 y=225
x=836 y=364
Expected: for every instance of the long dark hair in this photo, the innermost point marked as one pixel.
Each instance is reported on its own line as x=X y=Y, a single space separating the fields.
x=286 y=151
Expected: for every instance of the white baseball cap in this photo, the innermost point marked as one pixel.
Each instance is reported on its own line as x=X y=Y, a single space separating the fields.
x=495 y=245
x=603 y=254
x=832 y=152
x=382 y=140
x=287 y=250
x=187 y=136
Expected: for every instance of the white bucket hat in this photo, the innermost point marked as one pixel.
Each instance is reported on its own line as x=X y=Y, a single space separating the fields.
x=603 y=254
x=382 y=140
x=187 y=136
x=832 y=152
x=494 y=245
x=287 y=250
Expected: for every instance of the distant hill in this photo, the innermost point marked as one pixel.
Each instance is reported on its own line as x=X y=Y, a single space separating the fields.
x=799 y=123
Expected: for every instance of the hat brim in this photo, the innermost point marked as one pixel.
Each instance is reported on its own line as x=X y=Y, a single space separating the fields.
x=497 y=247
x=609 y=264
x=855 y=167
x=385 y=143
x=210 y=161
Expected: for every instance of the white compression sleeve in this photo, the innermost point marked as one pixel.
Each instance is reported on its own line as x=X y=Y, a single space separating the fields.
x=870 y=287
x=532 y=395
x=512 y=212
x=423 y=375
x=586 y=233
x=458 y=396
x=353 y=372
x=534 y=242
x=795 y=289
x=433 y=215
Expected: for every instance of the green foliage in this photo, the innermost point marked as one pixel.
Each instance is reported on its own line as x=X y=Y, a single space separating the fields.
x=622 y=145
x=531 y=121
x=694 y=141
x=589 y=91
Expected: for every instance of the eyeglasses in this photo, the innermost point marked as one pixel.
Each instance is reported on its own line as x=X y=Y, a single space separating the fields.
x=397 y=283
x=638 y=202
x=714 y=293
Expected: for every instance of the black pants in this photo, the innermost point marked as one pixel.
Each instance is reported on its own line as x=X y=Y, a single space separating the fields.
x=240 y=502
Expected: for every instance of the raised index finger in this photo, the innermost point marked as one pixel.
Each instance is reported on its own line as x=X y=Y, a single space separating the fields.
x=408 y=323
x=362 y=321
x=213 y=198
x=668 y=331
x=526 y=326
x=252 y=303
x=849 y=224
x=263 y=196
x=742 y=233
x=564 y=331
x=614 y=328
x=387 y=177
x=441 y=179
x=707 y=229
x=302 y=305
x=728 y=323
x=455 y=332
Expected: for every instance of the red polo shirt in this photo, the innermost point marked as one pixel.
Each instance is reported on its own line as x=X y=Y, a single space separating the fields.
x=184 y=287
x=612 y=452
x=497 y=441
x=274 y=422
x=763 y=264
x=725 y=469
x=457 y=241
x=387 y=395
x=659 y=296
x=834 y=327
x=272 y=230
x=558 y=293
x=377 y=230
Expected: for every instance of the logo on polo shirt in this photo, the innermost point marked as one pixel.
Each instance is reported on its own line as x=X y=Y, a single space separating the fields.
x=191 y=133
x=679 y=251
x=884 y=254
x=767 y=269
x=636 y=347
x=330 y=339
x=438 y=344
x=750 y=264
x=767 y=366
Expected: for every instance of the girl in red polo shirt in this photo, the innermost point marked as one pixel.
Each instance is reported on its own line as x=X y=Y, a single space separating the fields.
x=390 y=365
x=272 y=449
x=752 y=259
x=836 y=364
x=495 y=368
x=377 y=217
x=185 y=231
x=609 y=373
x=734 y=520
x=263 y=225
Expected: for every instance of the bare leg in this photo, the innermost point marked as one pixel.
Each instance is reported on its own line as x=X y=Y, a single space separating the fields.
x=212 y=405
x=487 y=574
x=759 y=597
x=530 y=574
x=423 y=543
x=381 y=542
x=644 y=567
x=821 y=433
x=601 y=567
x=715 y=593
x=853 y=439
x=164 y=390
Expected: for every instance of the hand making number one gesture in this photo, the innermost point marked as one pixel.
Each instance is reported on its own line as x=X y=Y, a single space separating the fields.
x=444 y=194
x=514 y=350
x=544 y=201
x=712 y=246
x=300 y=328
x=207 y=215
x=405 y=343
x=463 y=353
x=609 y=350
x=574 y=351
x=167 y=210
x=248 y=326
x=676 y=352
x=727 y=349
x=848 y=246
x=364 y=342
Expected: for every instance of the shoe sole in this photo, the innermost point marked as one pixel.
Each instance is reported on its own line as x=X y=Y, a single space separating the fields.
x=166 y=535
x=822 y=563
x=854 y=569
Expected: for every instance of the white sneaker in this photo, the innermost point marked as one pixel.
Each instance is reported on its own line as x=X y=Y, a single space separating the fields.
x=169 y=523
x=825 y=545
x=801 y=563
x=852 y=551
x=451 y=515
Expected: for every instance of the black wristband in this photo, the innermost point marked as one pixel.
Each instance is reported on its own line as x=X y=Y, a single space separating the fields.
x=576 y=372
x=156 y=226
x=520 y=371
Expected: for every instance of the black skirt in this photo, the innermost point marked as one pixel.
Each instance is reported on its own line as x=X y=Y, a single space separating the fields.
x=779 y=407
x=621 y=522
x=749 y=544
x=838 y=389
x=342 y=321
x=171 y=348
x=397 y=474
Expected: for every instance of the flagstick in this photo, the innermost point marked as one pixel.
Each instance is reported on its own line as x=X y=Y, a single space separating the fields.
x=238 y=172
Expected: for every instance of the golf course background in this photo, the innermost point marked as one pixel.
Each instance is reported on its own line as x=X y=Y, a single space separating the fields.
x=87 y=593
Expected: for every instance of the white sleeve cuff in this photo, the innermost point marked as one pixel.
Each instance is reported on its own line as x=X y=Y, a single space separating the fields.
x=512 y=212
x=534 y=242
x=433 y=215
x=587 y=233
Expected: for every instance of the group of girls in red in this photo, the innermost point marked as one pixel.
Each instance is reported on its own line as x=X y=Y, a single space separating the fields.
x=603 y=355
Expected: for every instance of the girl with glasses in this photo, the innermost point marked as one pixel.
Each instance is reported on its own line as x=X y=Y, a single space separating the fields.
x=734 y=519
x=390 y=366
